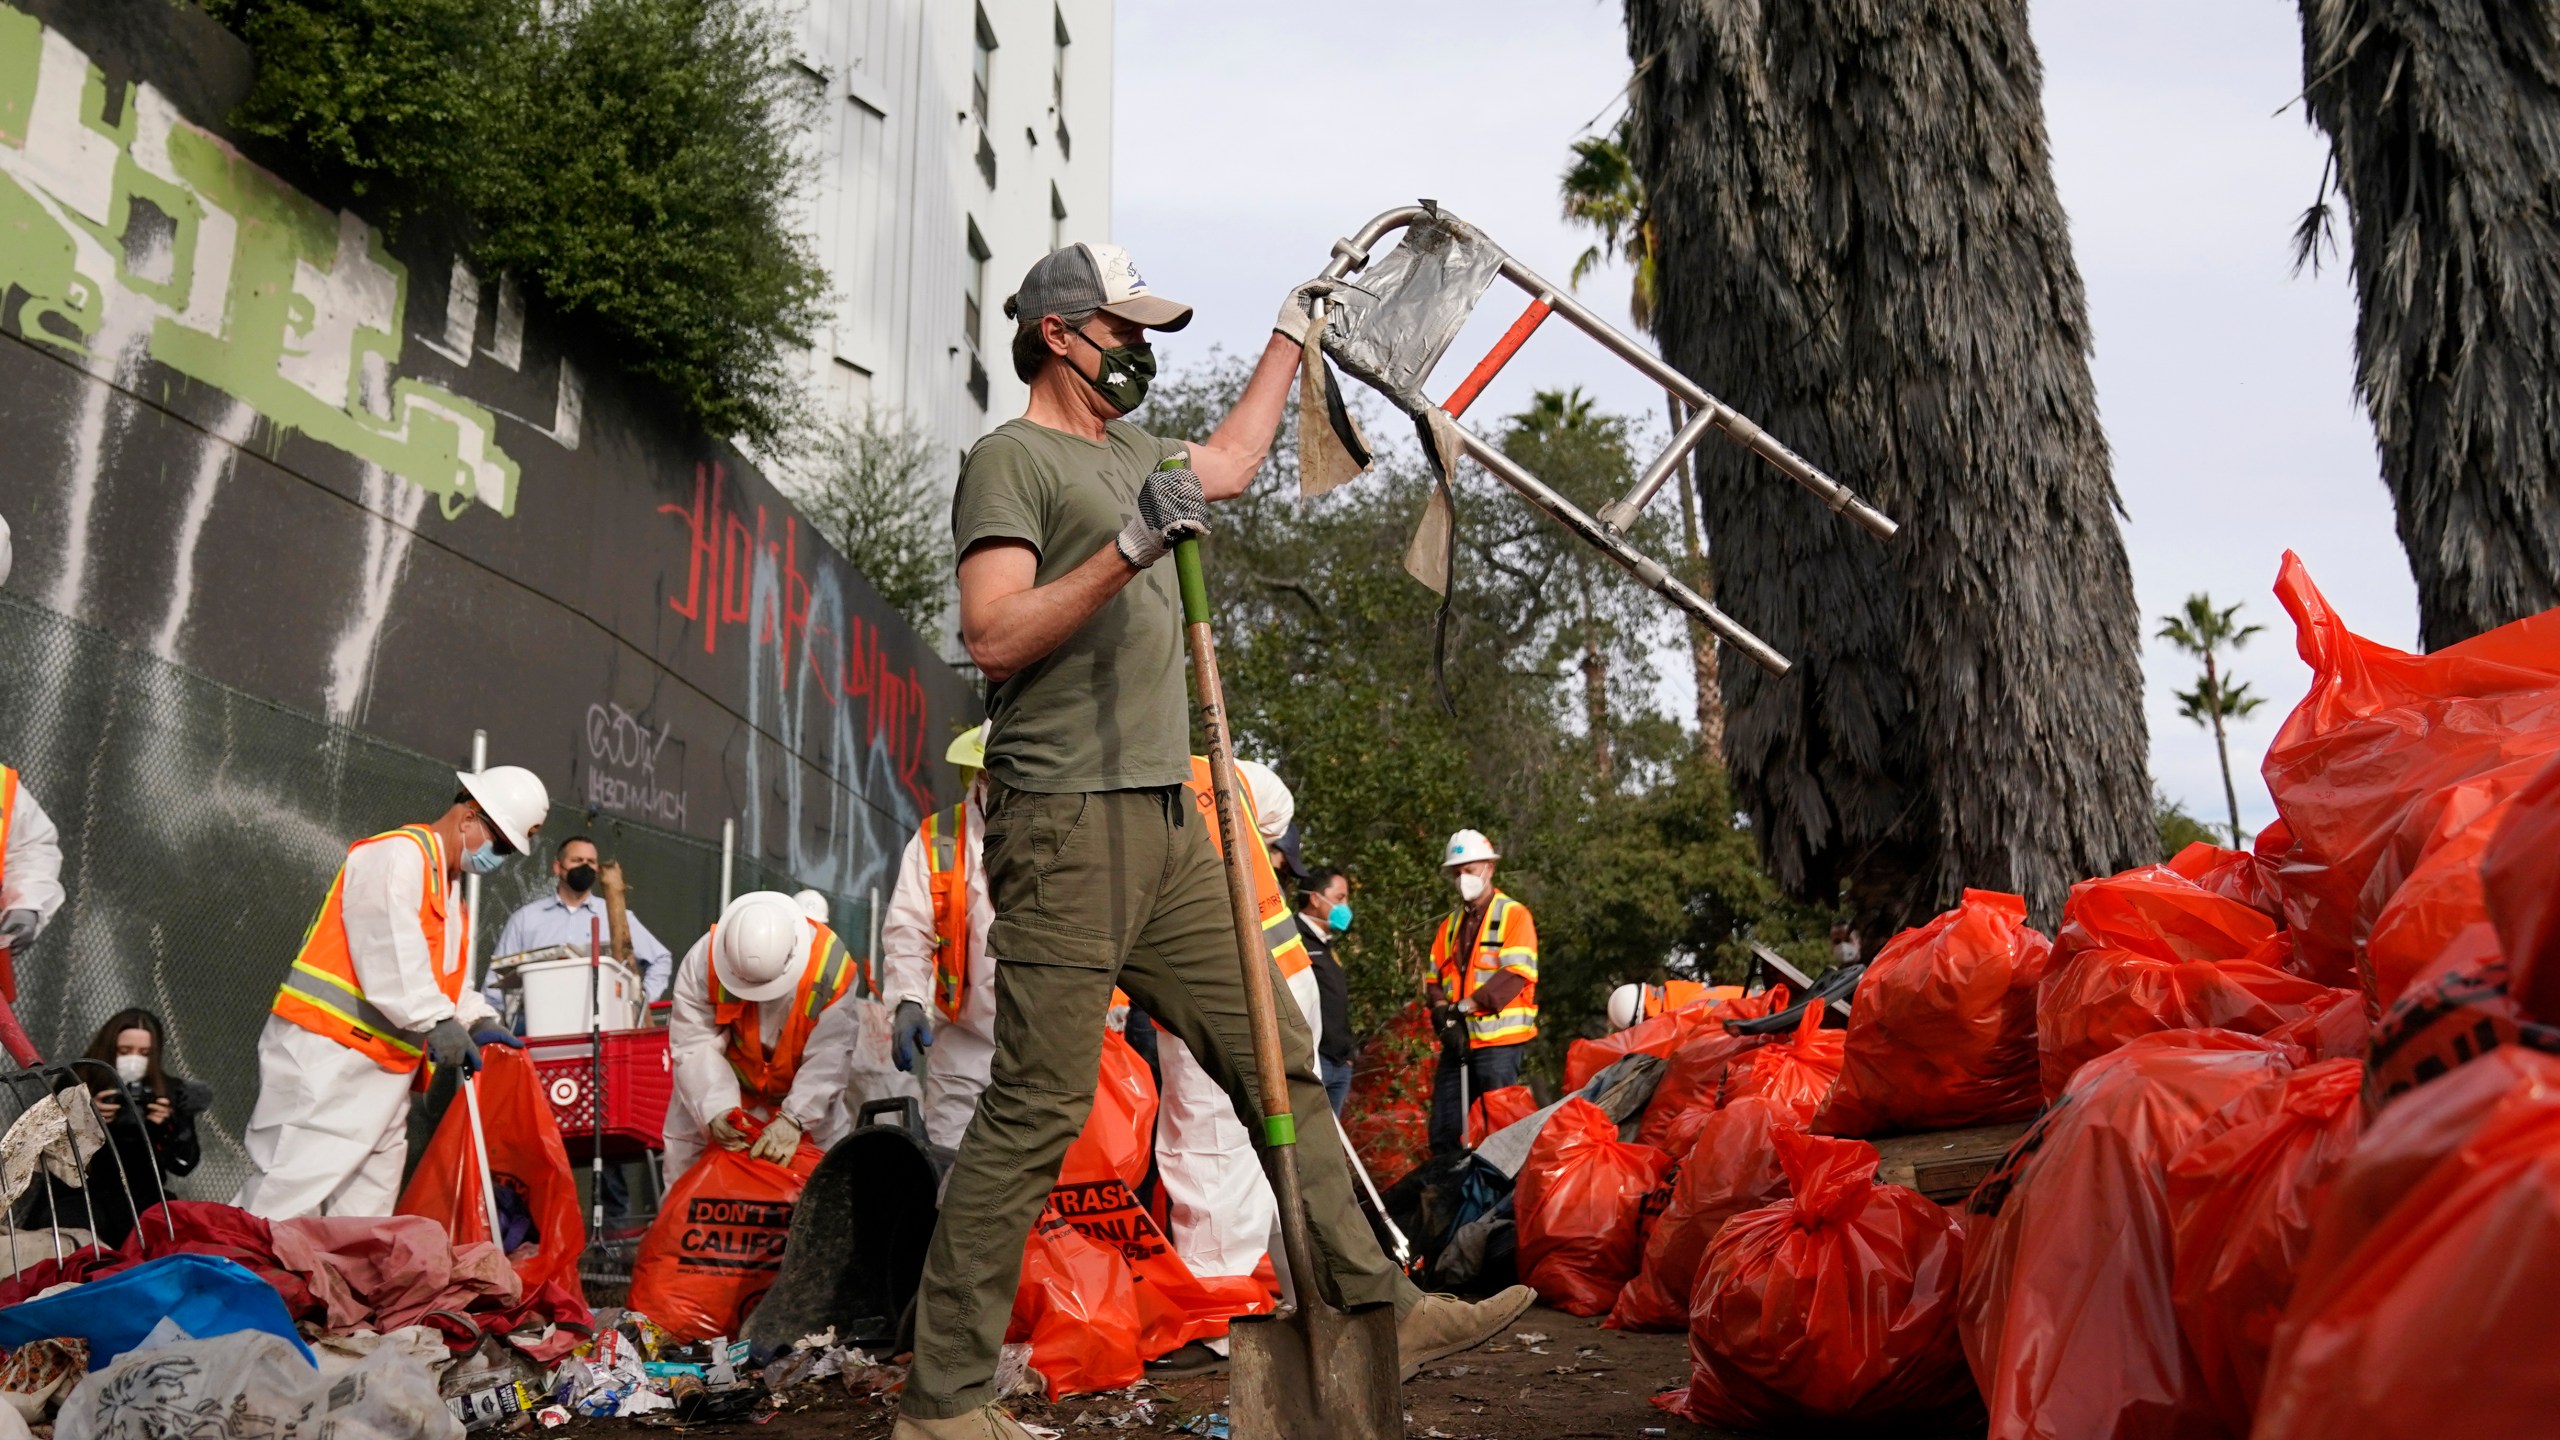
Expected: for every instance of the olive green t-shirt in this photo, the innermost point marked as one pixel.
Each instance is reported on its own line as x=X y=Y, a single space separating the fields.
x=1107 y=709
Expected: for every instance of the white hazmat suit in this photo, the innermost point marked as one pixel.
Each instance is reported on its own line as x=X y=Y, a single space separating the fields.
x=706 y=1086
x=964 y=1050
x=30 y=858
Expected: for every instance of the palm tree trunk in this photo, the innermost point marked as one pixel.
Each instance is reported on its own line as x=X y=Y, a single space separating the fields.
x=1966 y=704
x=2443 y=118
x=2222 y=751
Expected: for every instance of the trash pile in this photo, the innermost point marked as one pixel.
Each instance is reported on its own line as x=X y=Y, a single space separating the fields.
x=2294 y=1161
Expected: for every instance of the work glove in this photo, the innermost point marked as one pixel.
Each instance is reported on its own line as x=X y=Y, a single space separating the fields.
x=1450 y=1023
x=1170 y=509
x=1298 y=313
x=910 y=1034
x=16 y=928
x=726 y=1132
x=490 y=1032
x=779 y=1142
x=449 y=1044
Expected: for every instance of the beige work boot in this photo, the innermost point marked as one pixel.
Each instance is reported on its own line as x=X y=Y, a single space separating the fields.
x=1444 y=1325
x=984 y=1423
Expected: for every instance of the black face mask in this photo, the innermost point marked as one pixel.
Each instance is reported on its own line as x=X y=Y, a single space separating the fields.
x=1124 y=373
x=581 y=878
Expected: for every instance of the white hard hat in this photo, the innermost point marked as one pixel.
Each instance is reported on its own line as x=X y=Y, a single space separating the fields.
x=812 y=904
x=1626 y=1006
x=515 y=799
x=1468 y=845
x=4 y=550
x=763 y=938
x=1273 y=806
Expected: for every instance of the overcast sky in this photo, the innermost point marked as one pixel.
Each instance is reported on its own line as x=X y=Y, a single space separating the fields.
x=1249 y=137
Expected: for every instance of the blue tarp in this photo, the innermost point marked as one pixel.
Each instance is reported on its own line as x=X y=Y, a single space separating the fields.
x=204 y=1294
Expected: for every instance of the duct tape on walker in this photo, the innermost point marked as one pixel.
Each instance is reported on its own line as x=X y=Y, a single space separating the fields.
x=1279 y=1130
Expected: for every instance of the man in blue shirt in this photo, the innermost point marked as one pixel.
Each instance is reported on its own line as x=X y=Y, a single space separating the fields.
x=562 y=918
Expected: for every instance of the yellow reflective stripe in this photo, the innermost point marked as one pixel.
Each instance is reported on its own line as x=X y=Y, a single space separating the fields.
x=830 y=976
x=323 y=991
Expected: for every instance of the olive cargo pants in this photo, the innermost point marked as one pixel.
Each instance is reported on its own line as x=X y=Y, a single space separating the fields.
x=1091 y=890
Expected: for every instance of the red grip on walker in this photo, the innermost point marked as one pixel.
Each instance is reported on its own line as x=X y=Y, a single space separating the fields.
x=13 y=1038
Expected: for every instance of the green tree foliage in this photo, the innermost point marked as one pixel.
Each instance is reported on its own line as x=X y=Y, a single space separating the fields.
x=634 y=163
x=870 y=489
x=1326 y=647
x=2178 y=829
x=1602 y=191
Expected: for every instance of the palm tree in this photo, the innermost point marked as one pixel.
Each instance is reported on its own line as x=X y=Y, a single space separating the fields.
x=1601 y=191
x=1856 y=240
x=2443 y=118
x=2202 y=631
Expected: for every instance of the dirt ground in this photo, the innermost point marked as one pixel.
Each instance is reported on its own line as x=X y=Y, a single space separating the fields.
x=1581 y=1381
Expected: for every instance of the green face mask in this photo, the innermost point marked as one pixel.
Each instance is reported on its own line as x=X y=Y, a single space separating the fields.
x=1124 y=373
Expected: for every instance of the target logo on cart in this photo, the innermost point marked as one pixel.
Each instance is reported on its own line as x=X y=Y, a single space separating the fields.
x=564 y=1092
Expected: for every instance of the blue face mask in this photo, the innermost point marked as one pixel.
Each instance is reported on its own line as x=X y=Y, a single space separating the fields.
x=483 y=861
x=1338 y=919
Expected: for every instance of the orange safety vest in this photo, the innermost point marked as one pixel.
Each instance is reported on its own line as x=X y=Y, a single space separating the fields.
x=1671 y=995
x=1280 y=934
x=946 y=859
x=1508 y=941
x=8 y=812
x=321 y=993
x=824 y=978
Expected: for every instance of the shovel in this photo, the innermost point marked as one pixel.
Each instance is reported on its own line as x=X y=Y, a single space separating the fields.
x=1308 y=1370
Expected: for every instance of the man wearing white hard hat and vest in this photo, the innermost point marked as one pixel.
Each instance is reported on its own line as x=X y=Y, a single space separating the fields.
x=376 y=991
x=933 y=947
x=757 y=1030
x=1483 y=990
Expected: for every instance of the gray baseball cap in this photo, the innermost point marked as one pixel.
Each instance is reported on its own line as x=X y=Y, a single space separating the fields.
x=1082 y=278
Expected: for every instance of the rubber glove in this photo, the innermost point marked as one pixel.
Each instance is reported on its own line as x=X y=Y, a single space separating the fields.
x=910 y=1034
x=449 y=1044
x=779 y=1142
x=726 y=1132
x=490 y=1032
x=1298 y=312
x=1171 y=509
x=16 y=928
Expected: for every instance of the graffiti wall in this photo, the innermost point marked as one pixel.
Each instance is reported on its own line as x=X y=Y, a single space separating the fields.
x=256 y=444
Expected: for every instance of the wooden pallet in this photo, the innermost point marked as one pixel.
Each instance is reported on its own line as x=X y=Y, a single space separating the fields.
x=1945 y=1165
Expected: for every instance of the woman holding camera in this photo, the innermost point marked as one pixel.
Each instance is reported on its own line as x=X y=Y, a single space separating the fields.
x=151 y=1118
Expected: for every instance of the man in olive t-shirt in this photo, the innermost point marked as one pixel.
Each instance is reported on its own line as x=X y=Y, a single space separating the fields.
x=1099 y=872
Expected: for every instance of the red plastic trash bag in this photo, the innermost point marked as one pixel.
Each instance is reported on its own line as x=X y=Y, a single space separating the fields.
x=2378 y=732
x=1495 y=1109
x=2150 y=950
x=2232 y=874
x=2067 y=1316
x=1793 y=1071
x=1078 y=1310
x=2335 y=1028
x=1577 y=1204
x=717 y=1242
x=2430 y=876
x=528 y=1164
x=2242 y=1199
x=2520 y=878
x=1664 y=1034
x=1388 y=1118
x=1942 y=1033
x=1837 y=1305
x=2433 y=1279
x=1732 y=1167
x=2456 y=1011
x=1692 y=1087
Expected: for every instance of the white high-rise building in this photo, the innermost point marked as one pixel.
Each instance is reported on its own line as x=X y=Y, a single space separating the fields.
x=961 y=141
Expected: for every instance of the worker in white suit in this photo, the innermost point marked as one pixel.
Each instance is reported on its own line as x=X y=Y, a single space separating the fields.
x=756 y=1030
x=933 y=947
x=376 y=990
x=30 y=853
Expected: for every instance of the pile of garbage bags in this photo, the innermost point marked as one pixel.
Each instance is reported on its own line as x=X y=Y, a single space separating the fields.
x=2295 y=1143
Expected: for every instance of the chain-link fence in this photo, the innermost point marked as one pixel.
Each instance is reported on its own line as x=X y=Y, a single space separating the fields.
x=200 y=828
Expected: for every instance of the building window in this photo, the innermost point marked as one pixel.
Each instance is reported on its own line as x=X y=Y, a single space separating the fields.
x=1058 y=84
x=974 y=294
x=1057 y=219
x=986 y=160
x=978 y=381
x=852 y=386
x=982 y=59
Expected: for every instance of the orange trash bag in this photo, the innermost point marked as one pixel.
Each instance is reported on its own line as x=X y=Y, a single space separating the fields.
x=2232 y=874
x=1664 y=1034
x=1078 y=1310
x=2432 y=873
x=1942 y=1031
x=1731 y=1167
x=1694 y=1083
x=1577 y=1205
x=1835 y=1306
x=2150 y=950
x=717 y=1242
x=1388 y=1119
x=2433 y=1279
x=2242 y=1198
x=1495 y=1109
x=2067 y=1318
x=2520 y=880
x=2378 y=732
x=1793 y=1072
x=527 y=1163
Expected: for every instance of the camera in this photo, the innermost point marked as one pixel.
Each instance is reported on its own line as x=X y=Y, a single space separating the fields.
x=138 y=1097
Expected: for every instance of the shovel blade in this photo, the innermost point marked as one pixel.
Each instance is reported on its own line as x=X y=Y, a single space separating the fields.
x=1319 y=1374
